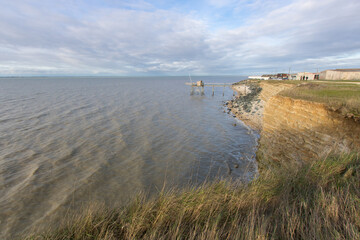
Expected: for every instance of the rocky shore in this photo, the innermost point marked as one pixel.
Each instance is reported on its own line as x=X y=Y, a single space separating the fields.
x=249 y=103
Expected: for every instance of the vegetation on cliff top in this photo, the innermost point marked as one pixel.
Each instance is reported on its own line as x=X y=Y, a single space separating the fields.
x=320 y=200
x=342 y=98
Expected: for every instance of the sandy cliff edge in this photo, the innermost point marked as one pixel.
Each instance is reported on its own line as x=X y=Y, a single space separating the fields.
x=292 y=130
x=250 y=110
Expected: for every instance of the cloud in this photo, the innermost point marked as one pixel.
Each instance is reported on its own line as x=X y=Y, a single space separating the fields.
x=136 y=37
x=298 y=31
x=223 y=3
x=104 y=38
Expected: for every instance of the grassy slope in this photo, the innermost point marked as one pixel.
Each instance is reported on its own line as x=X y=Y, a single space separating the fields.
x=344 y=98
x=317 y=201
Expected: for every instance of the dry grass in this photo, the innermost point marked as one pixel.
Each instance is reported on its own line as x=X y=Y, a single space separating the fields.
x=343 y=98
x=295 y=82
x=316 y=201
x=339 y=80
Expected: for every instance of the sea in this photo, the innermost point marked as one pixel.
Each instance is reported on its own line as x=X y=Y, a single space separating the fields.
x=68 y=143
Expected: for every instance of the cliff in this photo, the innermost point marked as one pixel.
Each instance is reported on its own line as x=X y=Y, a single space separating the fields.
x=300 y=130
x=249 y=105
x=296 y=130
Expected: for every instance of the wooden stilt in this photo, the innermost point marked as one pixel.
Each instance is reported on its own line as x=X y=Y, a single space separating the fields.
x=199 y=87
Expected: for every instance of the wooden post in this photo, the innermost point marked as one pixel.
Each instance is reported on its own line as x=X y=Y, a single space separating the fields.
x=224 y=90
x=213 y=90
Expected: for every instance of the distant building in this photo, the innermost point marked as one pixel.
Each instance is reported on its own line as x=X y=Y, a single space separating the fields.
x=270 y=76
x=283 y=76
x=341 y=74
x=292 y=76
x=307 y=76
x=259 y=77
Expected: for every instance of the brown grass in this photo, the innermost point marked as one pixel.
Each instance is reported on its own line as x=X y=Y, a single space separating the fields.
x=315 y=201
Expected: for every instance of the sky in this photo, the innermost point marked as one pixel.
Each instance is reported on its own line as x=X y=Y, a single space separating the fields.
x=174 y=37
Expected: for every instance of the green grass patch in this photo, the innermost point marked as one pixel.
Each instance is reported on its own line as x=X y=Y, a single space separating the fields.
x=344 y=98
x=295 y=82
x=347 y=81
x=319 y=200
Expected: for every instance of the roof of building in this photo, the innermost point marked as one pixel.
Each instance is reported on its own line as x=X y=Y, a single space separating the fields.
x=347 y=70
x=306 y=73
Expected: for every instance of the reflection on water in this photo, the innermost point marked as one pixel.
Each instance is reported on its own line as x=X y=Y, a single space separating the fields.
x=67 y=142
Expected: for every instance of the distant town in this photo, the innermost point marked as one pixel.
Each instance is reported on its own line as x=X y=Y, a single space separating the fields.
x=334 y=74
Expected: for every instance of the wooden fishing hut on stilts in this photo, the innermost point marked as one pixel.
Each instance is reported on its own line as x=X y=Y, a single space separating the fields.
x=200 y=85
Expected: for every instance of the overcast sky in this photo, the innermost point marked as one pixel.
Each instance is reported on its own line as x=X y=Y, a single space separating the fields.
x=177 y=37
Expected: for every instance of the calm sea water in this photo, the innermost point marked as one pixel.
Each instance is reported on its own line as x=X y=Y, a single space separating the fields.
x=70 y=142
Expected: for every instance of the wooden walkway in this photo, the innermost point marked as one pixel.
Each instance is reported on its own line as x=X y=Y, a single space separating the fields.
x=199 y=87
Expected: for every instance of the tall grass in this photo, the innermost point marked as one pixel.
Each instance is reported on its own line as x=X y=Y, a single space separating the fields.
x=320 y=200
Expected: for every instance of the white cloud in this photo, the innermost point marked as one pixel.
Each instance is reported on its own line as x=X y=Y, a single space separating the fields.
x=221 y=3
x=137 y=38
x=301 y=30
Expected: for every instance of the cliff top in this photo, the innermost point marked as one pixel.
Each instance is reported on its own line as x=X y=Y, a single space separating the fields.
x=340 y=97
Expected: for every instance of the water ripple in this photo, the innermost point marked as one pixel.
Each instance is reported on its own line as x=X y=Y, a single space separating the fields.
x=66 y=143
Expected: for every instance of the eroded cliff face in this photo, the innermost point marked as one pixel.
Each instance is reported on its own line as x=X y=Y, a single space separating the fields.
x=298 y=130
x=253 y=114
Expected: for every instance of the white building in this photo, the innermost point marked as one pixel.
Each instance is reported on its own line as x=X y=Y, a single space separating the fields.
x=341 y=74
x=259 y=77
x=307 y=76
